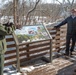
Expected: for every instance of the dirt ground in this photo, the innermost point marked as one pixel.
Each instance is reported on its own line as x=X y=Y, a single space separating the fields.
x=59 y=66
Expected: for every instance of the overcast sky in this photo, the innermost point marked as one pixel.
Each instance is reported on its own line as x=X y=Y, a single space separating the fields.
x=48 y=1
x=45 y=1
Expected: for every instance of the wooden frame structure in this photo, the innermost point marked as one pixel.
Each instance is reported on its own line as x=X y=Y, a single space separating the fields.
x=27 y=50
x=32 y=50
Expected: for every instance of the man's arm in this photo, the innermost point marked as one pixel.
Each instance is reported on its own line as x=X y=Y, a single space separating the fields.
x=62 y=23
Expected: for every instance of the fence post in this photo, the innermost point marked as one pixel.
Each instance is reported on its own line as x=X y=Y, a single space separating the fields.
x=28 y=51
x=17 y=51
x=51 y=50
x=57 y=39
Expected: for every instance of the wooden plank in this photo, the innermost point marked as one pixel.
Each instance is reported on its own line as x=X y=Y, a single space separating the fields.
x=52 y=33
x=34 y=42
x=11 y=45
x=39 y=50
x=34 y=56
x=10 y=63
x=58 y=37
x=63 y=44
x=22 y=49
x=50 y=28
x=10 y=52
x=24 y=59
x=26 y=53
x=35 y=51
x=40 y=45
x=9 y=39
x=10 y=57
x=64 y=30
x=63 y=36
x=34 y=46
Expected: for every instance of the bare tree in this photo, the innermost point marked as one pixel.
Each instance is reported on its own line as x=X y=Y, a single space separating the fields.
x=31 y=9
x=66 y=5
x=71 y=3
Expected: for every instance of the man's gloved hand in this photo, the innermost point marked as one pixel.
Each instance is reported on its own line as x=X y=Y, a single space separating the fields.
x=56 y=27
x=8 y=24
x=9 y=27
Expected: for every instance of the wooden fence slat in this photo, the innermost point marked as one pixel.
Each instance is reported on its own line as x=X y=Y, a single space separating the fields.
x=10 y=52
x=10 y=63
x=11 y=45
x=9 y=39
x=34 y=46
x=25 y=59
x=31 y=52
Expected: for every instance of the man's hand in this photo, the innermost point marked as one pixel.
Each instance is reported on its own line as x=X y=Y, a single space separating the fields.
x=8 y=24
x=56 y=27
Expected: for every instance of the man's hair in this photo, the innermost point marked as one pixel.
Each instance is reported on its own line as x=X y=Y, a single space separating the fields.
x=73 y=10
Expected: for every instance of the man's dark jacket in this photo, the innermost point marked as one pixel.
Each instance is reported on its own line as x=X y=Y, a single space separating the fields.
x=71 y=25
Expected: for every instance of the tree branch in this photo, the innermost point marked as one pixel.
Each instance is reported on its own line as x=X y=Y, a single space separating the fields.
x=59 y=2
x=69 y=1
x=37 y=1
x=72 y=3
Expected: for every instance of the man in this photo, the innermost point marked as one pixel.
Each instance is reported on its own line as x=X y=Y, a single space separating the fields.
x=71 y=31
x=5 y=29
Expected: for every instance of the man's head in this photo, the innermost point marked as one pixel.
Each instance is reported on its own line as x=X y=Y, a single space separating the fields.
x=73 y=11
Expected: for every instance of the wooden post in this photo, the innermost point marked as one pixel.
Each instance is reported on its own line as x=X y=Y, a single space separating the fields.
x=23 y=14
x=57 y=38
x=28 y=51
x=51 y=50
x=17 y=52
x=14 y=11
x=15 y=23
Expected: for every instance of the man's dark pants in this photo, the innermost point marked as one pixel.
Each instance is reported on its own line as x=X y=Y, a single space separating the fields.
x=68 y=39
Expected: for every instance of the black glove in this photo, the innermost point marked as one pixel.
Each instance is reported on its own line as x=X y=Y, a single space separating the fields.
x=8 y=24
x=56 y=26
